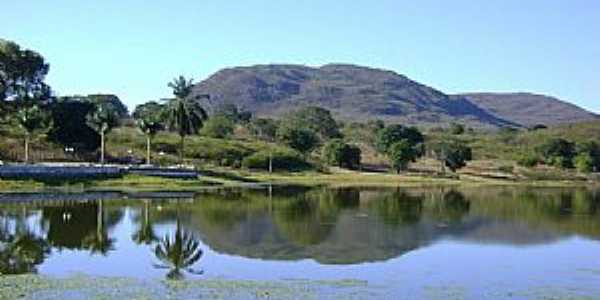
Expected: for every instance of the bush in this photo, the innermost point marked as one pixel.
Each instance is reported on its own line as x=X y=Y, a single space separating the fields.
x=558 y=152
x=340 y=154
x=584 y=163
x=218 y=127
x=297 y=138
x=317 y=120
x=453 y=155
x=265 y=129
x=528 y=160
x=401 y=153
x=220 y=152
x=282 y=159
x=394 y=133
x=588 y=153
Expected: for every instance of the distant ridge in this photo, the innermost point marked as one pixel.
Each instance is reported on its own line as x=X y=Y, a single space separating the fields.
x=357 y=93
x=530 y=109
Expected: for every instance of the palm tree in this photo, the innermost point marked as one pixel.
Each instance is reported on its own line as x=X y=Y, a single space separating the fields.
x=179 y=252
x=150 y=128
x=102 y=120
x=145 y=234
x=185 y=115
x=32 y=120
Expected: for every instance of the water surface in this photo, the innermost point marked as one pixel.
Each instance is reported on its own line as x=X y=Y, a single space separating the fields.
x=417 y=242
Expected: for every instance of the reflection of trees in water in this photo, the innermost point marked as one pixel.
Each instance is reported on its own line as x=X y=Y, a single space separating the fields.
x=22 y=250
x=145 y=233
x=301 y=222
x=81 y=226
x=309 y=218
x=178 y=252
x=399 y=208
x=98 y=241
x=450 y=207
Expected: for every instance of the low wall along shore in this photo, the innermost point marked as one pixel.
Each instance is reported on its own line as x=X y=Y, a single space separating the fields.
x=45 y=172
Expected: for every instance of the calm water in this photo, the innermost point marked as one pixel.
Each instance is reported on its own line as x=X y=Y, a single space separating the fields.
x=477 y=241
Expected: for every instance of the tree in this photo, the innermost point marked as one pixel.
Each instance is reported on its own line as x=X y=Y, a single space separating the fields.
x=233 y=113
x=103 y=119
x=340 y=154
x=300 y=139
x=400 y=154
x=149 y=127
x=112 y=102
x=184 y=114
x=316 y=119
x=32 y=120
x=265 y=129
x=151 y=109
x=453 y=155
x=392 y=134
x=584 y=163
x=70 y=127
x=557 y=152
x=588 y=156
x=22 y=73
x=218 y=126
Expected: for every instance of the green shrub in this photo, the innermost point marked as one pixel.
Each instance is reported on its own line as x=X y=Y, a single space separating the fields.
x=218 y=127
x=282 y=159
x=557 y=152
x=401 y=154
x=584 y=163
x=219 y=152
x=529 y=160
x=340 y=154
x=298 y=138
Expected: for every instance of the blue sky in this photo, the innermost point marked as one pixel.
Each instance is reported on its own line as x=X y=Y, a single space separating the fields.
x=133 y=48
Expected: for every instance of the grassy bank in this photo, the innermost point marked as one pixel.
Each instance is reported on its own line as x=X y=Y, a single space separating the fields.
x=237 y=178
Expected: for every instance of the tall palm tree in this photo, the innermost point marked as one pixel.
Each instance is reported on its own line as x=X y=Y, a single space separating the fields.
x=179 y=252
x=32 y=120
x=150 y=128
x=185 y=115
x=102 y=120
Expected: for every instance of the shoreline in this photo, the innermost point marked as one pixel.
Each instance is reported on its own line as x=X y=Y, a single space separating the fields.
x=233 y=179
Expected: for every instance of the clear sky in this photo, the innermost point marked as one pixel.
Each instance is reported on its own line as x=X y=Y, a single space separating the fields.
x=133 y=48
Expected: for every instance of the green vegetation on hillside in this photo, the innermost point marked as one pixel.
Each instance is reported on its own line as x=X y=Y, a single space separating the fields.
x=181 y=131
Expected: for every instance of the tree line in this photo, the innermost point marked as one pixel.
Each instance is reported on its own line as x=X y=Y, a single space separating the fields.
x=81 y=124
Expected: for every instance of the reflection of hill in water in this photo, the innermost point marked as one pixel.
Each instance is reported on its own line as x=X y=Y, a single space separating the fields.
x=351 y=226
x=333 y=226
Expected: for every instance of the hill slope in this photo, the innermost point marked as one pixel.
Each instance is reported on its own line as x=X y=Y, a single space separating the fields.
x=530 y=109
x=352 y=93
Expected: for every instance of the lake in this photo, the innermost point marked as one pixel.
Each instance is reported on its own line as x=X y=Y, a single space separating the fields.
x=492 y=242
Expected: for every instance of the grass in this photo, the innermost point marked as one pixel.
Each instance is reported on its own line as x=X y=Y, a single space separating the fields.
x=219 y=160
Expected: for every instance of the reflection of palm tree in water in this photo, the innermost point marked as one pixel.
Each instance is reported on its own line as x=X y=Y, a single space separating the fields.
x=145 y=234
x=99 y=241
x=21 y=252
x=178 y=252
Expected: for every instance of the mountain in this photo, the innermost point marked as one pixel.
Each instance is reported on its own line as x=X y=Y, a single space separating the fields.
x=352 y=93
x=530 y=109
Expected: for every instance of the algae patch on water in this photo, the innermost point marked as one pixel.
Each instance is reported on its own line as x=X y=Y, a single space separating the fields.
x=84 y=287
